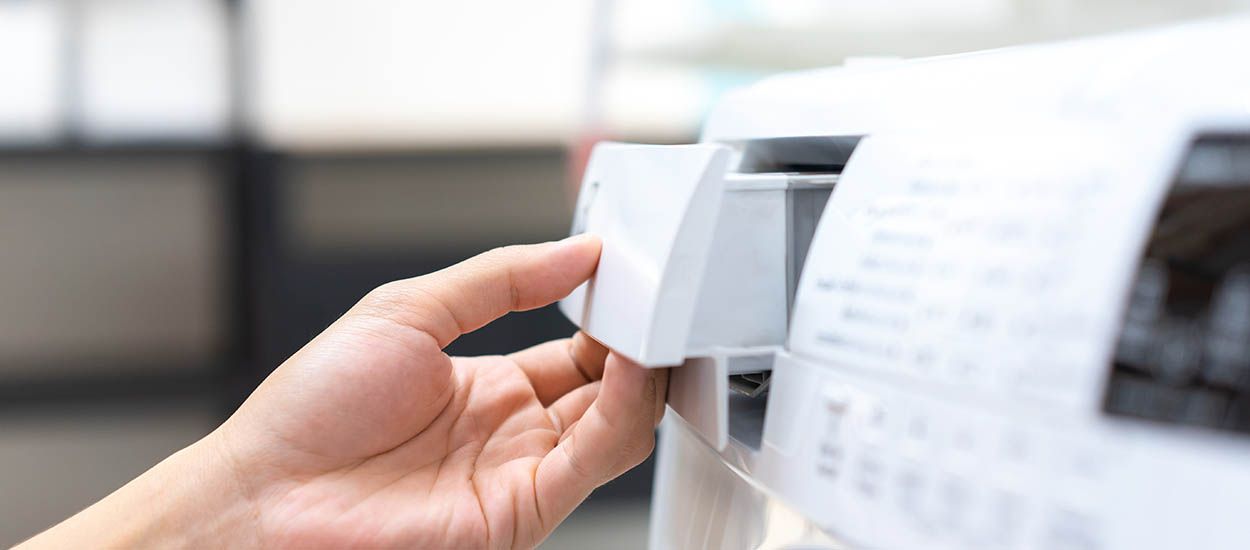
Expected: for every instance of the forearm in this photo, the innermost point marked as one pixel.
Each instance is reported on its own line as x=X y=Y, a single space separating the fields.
x=191 y=499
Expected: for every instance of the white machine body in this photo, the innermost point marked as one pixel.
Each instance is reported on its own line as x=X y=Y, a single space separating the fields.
x=996 y=300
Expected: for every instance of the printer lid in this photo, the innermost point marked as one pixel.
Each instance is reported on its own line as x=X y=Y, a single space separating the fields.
x=1144 y=76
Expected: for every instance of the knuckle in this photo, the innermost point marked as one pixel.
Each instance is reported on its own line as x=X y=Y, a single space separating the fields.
x=504 y=256
x=383 y=300
x=398 y=302
x=577 y=463
x=501 y=254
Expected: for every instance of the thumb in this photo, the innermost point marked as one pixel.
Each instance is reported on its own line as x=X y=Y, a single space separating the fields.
x=472 y=293
x=381 y=365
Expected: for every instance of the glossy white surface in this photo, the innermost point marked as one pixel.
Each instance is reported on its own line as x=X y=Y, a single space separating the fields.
x=951 y=339
x=655 y=208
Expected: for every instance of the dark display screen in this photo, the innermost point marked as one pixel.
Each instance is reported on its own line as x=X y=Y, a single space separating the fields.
x=1183 y=354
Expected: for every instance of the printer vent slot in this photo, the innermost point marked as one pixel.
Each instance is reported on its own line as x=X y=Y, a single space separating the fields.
x=797 y=155
x=752 y=384
x=749 y=377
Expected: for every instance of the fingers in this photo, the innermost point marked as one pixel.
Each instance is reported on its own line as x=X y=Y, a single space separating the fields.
x=615 y=433
x=567 y=410
x=558 y=367
x=588 y=355
x=466 y=296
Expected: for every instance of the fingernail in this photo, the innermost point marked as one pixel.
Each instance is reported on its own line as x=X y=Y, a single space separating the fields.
x=577 y=240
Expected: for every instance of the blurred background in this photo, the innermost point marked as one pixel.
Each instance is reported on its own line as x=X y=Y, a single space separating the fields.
x=191 y=189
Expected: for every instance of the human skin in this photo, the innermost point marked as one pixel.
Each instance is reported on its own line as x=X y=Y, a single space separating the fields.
x=372 y=437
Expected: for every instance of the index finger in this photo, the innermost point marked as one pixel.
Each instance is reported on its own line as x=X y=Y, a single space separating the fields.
x=466 y=296
x=557 y=367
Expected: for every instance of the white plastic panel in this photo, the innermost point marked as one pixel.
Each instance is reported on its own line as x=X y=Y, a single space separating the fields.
x=1114 y=80
x=954 y=326
x=939 y=259
x=699 y=392
x=889 y=465
x=702 y=503
x=742 y=300
x=655 y=208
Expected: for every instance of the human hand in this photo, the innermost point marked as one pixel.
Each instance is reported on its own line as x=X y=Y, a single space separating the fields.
x=371 y=436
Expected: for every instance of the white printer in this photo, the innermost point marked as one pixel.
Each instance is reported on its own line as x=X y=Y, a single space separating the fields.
x=996 y=300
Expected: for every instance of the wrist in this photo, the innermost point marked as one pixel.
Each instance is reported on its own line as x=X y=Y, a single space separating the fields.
x=194 y=498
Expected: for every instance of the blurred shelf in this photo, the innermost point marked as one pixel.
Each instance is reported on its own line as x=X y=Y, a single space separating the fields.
x=96 y=384
x=434 y=202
